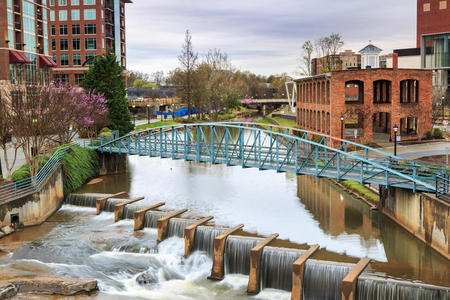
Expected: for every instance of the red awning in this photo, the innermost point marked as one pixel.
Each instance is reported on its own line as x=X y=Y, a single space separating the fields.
x=16 y=57
x=45 y=61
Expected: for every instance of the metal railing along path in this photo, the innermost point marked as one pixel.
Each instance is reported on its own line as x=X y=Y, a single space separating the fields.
x=270 y=147
x=33 y=184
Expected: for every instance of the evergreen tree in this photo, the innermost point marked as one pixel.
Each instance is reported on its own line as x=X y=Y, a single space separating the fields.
x=105 y=77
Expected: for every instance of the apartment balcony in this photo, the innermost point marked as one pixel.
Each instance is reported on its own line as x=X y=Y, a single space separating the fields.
x=109 y=21
x=110 y=35
x=39 y=16
x=17 y=9
x=122 y=26
x=17 y=26
x=109 y=6
x=40 y=31
x=19 y=46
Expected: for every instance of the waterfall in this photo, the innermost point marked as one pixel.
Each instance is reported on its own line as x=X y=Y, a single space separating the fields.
x=237 y=254
x=323 y=279
x=276 y=267
x=128 y=211
x=151 y=218
x=110 y=203
x=204 y=238
x=87 y=200
x=176 y=227
x=371 y=287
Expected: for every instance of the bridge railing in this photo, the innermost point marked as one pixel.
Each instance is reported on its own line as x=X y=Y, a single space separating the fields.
x=443 y=187
x=33 y=184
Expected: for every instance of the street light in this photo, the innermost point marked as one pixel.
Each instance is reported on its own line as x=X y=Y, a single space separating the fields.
x=148 y=113
x=442 y=108
x=342 y=127
x=395 y=139
x=134 y=115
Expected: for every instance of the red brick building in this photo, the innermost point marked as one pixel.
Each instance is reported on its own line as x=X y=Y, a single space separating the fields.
x=371 y=102
x=24 y=54
x=433 y=16
x=83 y=29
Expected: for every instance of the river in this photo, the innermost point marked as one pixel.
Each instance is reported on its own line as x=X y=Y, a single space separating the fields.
x=304 y=210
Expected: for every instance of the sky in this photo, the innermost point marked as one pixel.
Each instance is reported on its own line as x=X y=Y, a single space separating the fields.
x=261 y=36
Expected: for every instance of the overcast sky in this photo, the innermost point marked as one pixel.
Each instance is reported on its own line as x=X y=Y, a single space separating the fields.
x=263 y=36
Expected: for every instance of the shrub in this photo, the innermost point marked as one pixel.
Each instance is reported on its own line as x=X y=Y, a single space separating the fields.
x=21 y=173
x=438 y=134
x=428 y=135
x=105 y=130
x=79 y=164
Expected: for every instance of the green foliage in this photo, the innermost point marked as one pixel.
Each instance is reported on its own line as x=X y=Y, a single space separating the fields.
x=150 y=85
x=156 y=124
x=138 y=83
x=361 y=190
x=437 y=133
x=428 y=135
x=22 y=173
x=79 y=164
x=105 y=77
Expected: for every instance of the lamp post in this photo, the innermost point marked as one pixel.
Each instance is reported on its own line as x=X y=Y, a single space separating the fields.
x=148 y=113
x=342 y=127
x=134 y=115
x=395 y=139
x=443 y=109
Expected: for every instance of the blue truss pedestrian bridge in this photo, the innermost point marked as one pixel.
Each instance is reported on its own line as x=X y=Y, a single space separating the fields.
x=270 y=147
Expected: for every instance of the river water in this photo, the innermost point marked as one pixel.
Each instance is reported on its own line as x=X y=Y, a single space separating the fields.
x=302 y=209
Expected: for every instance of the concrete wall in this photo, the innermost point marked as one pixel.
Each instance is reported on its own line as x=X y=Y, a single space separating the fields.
x=422 y=214
x=113 y=163
x=35 y=209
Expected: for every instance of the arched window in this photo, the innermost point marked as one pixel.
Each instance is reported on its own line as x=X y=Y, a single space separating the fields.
x=382 y=91
x=409 y=91
x=354 y=92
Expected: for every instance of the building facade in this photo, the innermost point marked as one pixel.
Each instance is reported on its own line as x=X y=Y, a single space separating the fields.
x=433 y=38
x=370 y=101
x=24 y=52
x=80 y=30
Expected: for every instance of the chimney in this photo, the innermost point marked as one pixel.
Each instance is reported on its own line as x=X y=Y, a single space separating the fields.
x=395 y=60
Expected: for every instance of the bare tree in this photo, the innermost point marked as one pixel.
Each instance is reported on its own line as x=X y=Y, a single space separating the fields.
x=158 y=77
x=6 y=142
x=335 y=44
x=307 y=50
x=188 y=61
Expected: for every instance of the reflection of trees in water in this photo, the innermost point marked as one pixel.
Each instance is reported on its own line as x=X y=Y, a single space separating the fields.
x=412 y=257
x=336 y=212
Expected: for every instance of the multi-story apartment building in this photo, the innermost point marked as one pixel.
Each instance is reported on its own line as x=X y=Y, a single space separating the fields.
x=433 y=38
x=80 y=30
x=24 y=52
x=347 y=60
x=350 y=60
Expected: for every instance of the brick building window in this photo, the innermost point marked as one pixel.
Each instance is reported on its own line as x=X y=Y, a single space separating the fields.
x=76 y=45
x=62 y=15
x=53 y=45
x=409 y=91
x=354 y=92
x=62 y=2
x=64 y=44
x=90 y=58
x=78 y=78
x=53 y=30
x=75 y=14
x=443 y=4
x=60 y=78
x=63 y=30
x=64 y=59
x=76 y=29
x=90 y=29
x=75 y=2
x=426 y=7
x=90 y=43
x=408 y=126
x=382 y=91
x=89 y=2
x=77 y=59
x=54 y=58
x=90 y=14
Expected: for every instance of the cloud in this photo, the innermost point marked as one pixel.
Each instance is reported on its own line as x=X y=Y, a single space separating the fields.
x=263 y=36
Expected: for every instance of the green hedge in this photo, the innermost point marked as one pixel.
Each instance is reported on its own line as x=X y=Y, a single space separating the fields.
x=24 y=171
x=79 y=164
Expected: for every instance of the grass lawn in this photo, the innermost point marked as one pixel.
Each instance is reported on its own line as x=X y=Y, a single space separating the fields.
x=156 y=124
x=362 y=190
